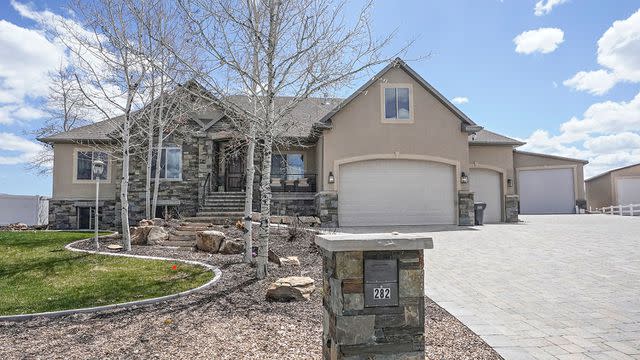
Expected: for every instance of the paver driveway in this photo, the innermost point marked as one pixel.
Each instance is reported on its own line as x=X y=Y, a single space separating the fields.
x=562 y=286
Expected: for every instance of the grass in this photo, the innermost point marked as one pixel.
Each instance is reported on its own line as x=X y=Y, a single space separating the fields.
x=37 y=274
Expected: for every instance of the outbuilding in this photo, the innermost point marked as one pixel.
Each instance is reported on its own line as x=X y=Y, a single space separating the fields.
x=619 y=186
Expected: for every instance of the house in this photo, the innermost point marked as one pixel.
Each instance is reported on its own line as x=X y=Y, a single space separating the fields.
x=619 y=186
x=395 y=152
x=26 y=209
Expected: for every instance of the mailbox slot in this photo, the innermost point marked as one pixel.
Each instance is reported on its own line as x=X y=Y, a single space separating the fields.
x=380 y=282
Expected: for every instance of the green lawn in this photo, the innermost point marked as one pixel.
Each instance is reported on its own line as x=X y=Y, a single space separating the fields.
x=37 y=274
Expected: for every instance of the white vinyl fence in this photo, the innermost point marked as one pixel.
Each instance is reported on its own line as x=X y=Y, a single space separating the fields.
x=27 y=209
x=622 y=210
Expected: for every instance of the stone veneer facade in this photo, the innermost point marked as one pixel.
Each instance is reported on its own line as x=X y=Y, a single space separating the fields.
x=512 y=204
x=466 y=213
x=63 y=214
x=327 y=208
x=353 y=331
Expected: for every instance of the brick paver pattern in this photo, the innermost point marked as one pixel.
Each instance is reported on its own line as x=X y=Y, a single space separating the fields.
x=552 y=287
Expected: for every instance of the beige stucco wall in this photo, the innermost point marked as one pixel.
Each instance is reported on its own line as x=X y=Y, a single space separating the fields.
x=358 y=130
x=65 y=187
x=532 y=161
x=599 y=192
x=499 y=158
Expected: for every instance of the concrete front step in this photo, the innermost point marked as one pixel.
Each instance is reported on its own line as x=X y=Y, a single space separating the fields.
x=233 y=214
x=216 y=220
x=182 y=238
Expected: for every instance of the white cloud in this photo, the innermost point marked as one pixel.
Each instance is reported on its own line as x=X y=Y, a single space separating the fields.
x=543 y=40
x=460 y=100
x=607 y=134
x=543 y=8
x=16 y=150
x=595 y=82
x=618 y=53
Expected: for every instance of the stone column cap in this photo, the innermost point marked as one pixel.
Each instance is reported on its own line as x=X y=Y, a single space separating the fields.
x=375 y=242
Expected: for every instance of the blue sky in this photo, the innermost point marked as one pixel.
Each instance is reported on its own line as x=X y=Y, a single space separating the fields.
x=567 y=86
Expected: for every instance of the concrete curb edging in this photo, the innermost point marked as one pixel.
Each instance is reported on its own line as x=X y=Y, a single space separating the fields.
x=216 y=272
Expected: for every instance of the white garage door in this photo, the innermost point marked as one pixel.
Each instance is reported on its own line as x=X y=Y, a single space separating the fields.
x=548 y=191
x=395 y=192
x=628 y=191
x=485 y=184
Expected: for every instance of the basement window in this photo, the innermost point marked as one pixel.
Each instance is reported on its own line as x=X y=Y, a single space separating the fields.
x=86 y=217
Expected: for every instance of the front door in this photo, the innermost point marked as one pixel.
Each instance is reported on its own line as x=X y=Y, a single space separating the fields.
x=235 y=173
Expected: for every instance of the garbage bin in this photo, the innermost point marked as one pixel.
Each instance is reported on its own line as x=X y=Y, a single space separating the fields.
x=478 y=209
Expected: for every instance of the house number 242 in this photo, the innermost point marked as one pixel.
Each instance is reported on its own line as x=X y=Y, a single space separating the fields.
x=381 y=293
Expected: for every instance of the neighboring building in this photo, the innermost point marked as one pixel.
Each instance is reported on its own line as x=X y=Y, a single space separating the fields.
x=26 y=209
x=396 y=152
x=615 y=187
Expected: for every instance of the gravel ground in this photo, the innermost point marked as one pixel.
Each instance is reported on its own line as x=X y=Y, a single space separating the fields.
x=231 y=320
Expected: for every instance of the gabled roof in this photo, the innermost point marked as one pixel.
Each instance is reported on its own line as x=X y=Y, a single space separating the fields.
x=98 y=131
x=551 y=156
x=612 y=171
x=486 y=137
x=399 y=63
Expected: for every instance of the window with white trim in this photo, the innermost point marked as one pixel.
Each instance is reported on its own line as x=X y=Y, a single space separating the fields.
x=170 y=163
x=84 y=167
x=396 y=103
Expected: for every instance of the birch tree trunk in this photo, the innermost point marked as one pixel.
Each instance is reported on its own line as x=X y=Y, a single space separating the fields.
x=124 y=185
x=156 y=176
x=248 y=200
x=265 y=211
x=147 y=187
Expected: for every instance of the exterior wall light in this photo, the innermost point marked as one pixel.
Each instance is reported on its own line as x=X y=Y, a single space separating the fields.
x=332 y=179
x=464 y=179
x=509 y=182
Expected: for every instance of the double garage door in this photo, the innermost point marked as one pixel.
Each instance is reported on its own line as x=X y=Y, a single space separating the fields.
x=546 y=191
x=396 y=192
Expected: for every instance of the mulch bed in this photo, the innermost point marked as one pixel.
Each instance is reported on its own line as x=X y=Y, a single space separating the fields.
x=231 y=320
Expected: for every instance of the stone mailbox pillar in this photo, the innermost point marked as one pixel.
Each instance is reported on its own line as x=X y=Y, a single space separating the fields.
x=373 y=295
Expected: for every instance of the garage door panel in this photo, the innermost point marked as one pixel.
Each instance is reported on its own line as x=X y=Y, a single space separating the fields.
x=396 y=192
x=628 y=191
x=546 y=191
x=486 y=187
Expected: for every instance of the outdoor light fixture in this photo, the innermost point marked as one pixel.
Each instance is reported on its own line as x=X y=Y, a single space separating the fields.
x=332 y=178
x=464 y=178
x=98 y=169
x=509 y=182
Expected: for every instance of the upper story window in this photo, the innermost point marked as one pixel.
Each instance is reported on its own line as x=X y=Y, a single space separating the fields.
x=84 y=168
x=170 y=163
x=397 y=103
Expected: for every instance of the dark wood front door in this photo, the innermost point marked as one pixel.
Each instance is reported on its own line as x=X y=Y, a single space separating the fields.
x=234 y=173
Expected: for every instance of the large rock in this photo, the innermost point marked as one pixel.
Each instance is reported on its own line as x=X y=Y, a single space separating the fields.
x=139 y=235
x=229 y=246
x=209 y=240
x=290 y=261
x=145 y=222
x=157 y=235
x=293 y=288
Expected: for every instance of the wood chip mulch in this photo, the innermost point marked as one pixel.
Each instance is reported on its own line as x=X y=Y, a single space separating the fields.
x=231 y=320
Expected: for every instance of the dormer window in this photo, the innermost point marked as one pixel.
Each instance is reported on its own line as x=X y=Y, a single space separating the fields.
x=397 y=103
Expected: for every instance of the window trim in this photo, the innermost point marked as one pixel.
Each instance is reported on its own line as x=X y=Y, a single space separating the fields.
x=396 y=120
x=75 y=179
x=162 y=179
x=291 y=152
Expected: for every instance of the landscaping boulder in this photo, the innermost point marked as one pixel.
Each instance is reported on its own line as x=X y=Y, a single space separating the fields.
x=145 y=222
x=139 y=235
x=18 y=226
x=209 y=240
x=229 y=247
x=289 y=261
x=157 y=235
x=293 y=288
x=311 y=221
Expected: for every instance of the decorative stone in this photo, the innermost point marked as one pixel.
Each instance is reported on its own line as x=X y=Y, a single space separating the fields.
x=145 y=222
x=139 y=235
x=209 y=240
x=466 y=213
x=352 y=302
x=349 y=264
x=327 y=208
x=273 y=257
x=157 y=235
x=114 y=247
x=289 y=261
x=352 y=330
x=229 y=247
x=293 y=288
x=511 y=208
x=411 y=283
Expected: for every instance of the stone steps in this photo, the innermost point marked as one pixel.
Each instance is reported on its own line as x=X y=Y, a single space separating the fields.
x=222 y=209
x=216 y=220
x=187 y=238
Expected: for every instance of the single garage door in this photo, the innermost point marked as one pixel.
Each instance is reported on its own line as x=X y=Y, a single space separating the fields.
x=396 y=192
x=547 y=191
x=628 y=190
x=485 y=184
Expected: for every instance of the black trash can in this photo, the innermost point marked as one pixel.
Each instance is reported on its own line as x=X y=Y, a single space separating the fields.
x=478 y=209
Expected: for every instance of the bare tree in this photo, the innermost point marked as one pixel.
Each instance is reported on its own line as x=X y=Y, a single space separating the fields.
x=110 y=71
x=66 y=110
x=302 y=47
